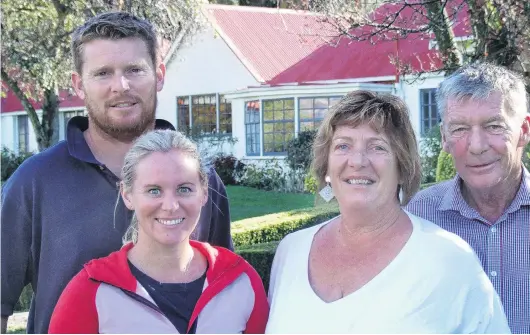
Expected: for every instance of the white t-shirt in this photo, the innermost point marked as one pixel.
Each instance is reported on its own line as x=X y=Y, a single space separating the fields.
x=434 y=285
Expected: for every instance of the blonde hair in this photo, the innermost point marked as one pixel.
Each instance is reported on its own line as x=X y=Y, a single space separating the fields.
x=156 y=141
x=386 y=113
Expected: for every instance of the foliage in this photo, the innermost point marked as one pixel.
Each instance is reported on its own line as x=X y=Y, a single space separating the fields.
x=274 y=227
x=430 y=146
x=11 y=161
x=299 y=157
x=499 y=28
x=36 y=45
x=247 y=202
x=526 y=156
x=229 y=168
x=445 y=169
x=269 y=177
x=310 y=183
x=299 y=150
x=260 y=256
x=25 y=299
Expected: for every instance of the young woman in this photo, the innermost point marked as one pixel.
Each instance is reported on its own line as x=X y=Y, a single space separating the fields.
x=161 y=281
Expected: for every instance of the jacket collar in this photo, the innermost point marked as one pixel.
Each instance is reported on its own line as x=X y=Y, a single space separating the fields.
x=114 y=269
x=77 y=146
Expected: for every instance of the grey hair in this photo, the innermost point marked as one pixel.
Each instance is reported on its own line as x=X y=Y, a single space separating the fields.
x=477 y=81
x=113 y=26
x=151 y=142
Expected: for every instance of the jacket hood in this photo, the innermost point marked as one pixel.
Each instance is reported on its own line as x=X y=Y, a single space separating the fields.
x=114 y=269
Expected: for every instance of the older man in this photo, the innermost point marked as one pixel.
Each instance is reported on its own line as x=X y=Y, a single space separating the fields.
x=485 y=127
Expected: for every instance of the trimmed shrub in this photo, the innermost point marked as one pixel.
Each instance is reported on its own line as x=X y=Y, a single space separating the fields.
x=445 y=169
x=269 y=177
x=274 y=227
x=229 y=168
x=310 y=184
x=260 y=256
x=11 y=161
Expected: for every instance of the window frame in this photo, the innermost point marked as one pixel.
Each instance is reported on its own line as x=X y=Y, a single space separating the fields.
x=255 y=125
x=274 y=122
x=433 y=122
x=189 y=121
x=314 y=119
x=25 y=127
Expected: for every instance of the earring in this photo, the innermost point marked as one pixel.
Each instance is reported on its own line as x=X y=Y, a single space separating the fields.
x=327 y=192
x=400 y=195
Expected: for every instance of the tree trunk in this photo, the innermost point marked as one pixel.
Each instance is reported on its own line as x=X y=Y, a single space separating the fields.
x=44 y=129
x=50 y=111
x=28 y=107
x=441 y=27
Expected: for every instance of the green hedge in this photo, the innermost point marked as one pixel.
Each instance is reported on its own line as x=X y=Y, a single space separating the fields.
x=260 y=256
x=274 y=227
x=445 y=169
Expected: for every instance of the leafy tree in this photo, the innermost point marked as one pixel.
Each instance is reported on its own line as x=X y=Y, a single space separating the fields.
x=500 y=28
x=36 y=46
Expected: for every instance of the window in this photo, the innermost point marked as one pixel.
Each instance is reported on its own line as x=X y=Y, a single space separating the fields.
x=209 y=114
x=203 y=113
x=70 y=114
x=225 y=116
x=312 y=111
x=252 y=128
x=428 y=110
x=183 y=114
x=23 y=133
x=278 y=125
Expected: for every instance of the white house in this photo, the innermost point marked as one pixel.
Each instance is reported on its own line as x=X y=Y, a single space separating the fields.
x=257 y=76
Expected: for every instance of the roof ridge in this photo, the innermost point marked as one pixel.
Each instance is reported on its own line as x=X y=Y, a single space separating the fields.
x=260 y=9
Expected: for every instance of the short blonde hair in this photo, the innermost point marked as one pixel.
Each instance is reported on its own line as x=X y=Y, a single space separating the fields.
x=385 y=113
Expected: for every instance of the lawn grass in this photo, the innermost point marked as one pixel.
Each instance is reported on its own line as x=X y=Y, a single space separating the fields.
x=20 y=330
x=247 y=202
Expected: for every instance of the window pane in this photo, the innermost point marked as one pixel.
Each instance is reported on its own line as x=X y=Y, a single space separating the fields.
x=305 y=103
x=321 y=103
x=278 y=105
x=268 y=115
x=426 y=111
x=334 y=100
x=306 y=126
x=268 y=147
x=289 y=127
x=289 y=104
x=268 y=128
x=306 y=114
x=425 y=97
x=289 y=114
x=319 y=113
x=268 y=105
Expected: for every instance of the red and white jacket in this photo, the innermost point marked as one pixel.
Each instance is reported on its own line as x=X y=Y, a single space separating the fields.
x=105 y=297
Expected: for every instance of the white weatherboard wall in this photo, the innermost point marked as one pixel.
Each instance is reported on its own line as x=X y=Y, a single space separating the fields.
x=9 y=134
x=280 y=92
x=203 y=64
x=410 y=93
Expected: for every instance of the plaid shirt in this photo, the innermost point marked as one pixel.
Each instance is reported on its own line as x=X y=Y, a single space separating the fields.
x=503 y=246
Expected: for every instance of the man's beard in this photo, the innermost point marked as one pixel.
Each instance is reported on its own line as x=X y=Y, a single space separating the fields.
x=122 y=132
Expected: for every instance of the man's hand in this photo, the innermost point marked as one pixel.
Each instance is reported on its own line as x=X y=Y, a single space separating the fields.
x=4 y=324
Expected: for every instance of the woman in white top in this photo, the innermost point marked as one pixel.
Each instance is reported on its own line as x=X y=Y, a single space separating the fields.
x=376 y=268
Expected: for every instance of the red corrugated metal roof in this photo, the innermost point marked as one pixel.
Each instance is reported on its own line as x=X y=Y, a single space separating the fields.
x=286 y=46
x=10 y=103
